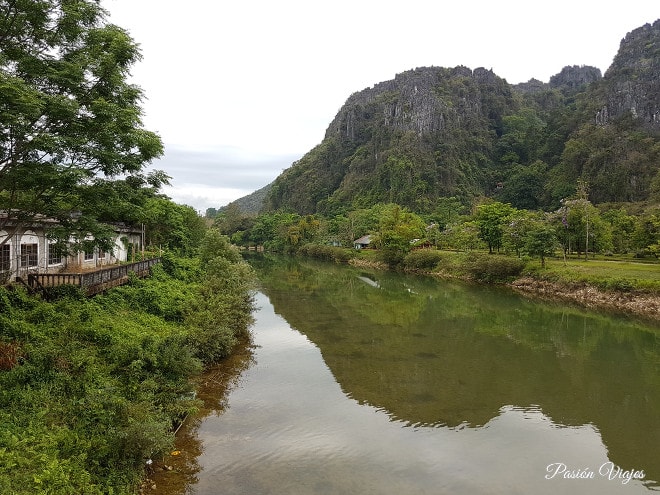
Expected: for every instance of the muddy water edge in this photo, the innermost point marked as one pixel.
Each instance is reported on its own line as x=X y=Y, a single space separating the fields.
x=173 y=474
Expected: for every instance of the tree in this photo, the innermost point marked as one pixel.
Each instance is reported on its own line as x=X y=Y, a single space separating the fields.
x=515 y=231
x=397 y=227
x=646 y=236
x=173 y=226
x=447 y=210
x=622 y=226
x=272 y=229
x=524 y=187
x=579 y=225
x=462 y=236
x=540 y=240
x=68 y=116
x=491 y=219
x=520 y=138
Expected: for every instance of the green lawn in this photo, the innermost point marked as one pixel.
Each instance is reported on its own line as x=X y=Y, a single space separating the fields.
x=605 y=274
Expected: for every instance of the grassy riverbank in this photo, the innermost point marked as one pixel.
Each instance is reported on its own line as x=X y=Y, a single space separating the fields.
x=91 y=389
x=603 y=283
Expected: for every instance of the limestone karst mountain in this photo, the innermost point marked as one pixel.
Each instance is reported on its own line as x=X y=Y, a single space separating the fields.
x=436 y=132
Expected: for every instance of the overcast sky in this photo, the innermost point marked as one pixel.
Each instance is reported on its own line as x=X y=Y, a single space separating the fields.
x=238 y=90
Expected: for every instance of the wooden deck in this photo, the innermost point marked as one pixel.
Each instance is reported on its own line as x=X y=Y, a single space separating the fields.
x=92 y=282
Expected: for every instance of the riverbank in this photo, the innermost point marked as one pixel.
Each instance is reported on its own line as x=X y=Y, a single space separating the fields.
x=626 y=287
x=92 y=389
x=642 y=305
x=177 y=470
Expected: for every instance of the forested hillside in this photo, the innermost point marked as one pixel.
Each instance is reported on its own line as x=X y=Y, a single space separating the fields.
x=437 y=132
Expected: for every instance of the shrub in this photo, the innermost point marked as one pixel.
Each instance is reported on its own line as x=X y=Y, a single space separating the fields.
x=423 y=260
x=72 y=292
x=222 y=308
x=326 y=253
x=492 y=268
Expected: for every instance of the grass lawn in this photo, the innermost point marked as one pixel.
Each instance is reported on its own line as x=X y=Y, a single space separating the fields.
x=605 y=274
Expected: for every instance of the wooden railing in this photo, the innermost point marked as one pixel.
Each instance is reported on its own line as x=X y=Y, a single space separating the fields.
x=93 y=282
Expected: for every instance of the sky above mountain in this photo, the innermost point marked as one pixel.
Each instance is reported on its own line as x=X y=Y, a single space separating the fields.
x=240 y=90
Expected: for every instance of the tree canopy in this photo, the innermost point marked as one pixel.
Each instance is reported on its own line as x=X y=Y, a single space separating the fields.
x=68 y=115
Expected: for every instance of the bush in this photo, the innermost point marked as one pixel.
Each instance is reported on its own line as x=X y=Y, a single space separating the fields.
x=423 y=260
x=221 y=311
x=492 y=268
x=72 y=292
x=326 y=253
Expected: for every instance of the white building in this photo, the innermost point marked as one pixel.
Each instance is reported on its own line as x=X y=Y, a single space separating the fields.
x=28 y=250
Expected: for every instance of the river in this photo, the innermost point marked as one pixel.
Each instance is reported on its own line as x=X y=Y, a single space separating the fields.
x=361 y=382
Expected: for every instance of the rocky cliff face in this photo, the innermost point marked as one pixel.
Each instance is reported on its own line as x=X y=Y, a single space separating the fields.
x=437 y=132
x=424 y=101
x=427 y=133
x=633 y=80
x=571 y=79
x=575 y=77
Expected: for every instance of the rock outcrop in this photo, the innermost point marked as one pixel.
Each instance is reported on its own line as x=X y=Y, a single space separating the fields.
x=424 y=100
x=632 y=82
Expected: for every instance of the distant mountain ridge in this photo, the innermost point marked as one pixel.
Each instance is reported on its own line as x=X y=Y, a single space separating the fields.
x=434 y=132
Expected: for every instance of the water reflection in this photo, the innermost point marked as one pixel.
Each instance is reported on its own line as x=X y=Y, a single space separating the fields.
x=178 y=472
x=368 y=382
x=432 y=354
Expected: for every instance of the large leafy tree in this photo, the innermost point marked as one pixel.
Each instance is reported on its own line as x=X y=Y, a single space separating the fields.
x=397 y=228
x=492 y=218
x=68 y=116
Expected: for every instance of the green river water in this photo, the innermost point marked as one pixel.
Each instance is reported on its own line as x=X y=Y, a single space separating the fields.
x=366 y=382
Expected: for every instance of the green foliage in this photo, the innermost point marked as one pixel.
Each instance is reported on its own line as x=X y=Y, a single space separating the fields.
x=622 y=227
x=540 y=241
x=646 y=235
x=397 y=228
x=423 y=260
x=172 y=226
x=619 y=163
x=221 y=310
x=67 y=113
x=326 y=253
x=525 y=186
x=91 y=388
x=492 y=268
x=215 y=245
x=579 y=226
x=271 y=229
x=463 y=236
x=491 y=219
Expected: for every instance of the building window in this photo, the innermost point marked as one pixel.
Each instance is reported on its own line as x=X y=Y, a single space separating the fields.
x=89 y=255
x=54 y=255
x=29 y=255
x=5 y=257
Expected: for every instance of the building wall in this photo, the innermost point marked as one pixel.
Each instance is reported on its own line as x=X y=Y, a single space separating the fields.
x=27 y=252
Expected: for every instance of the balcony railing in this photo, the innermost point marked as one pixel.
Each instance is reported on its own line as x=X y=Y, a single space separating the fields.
x=93 y=282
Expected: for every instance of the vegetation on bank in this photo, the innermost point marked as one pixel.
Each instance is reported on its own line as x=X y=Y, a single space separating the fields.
x=91 y=389
x=572 y=251
x=577 y=227
x=454 y=240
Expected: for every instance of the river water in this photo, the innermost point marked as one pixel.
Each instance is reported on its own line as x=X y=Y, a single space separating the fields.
x=362 y=382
